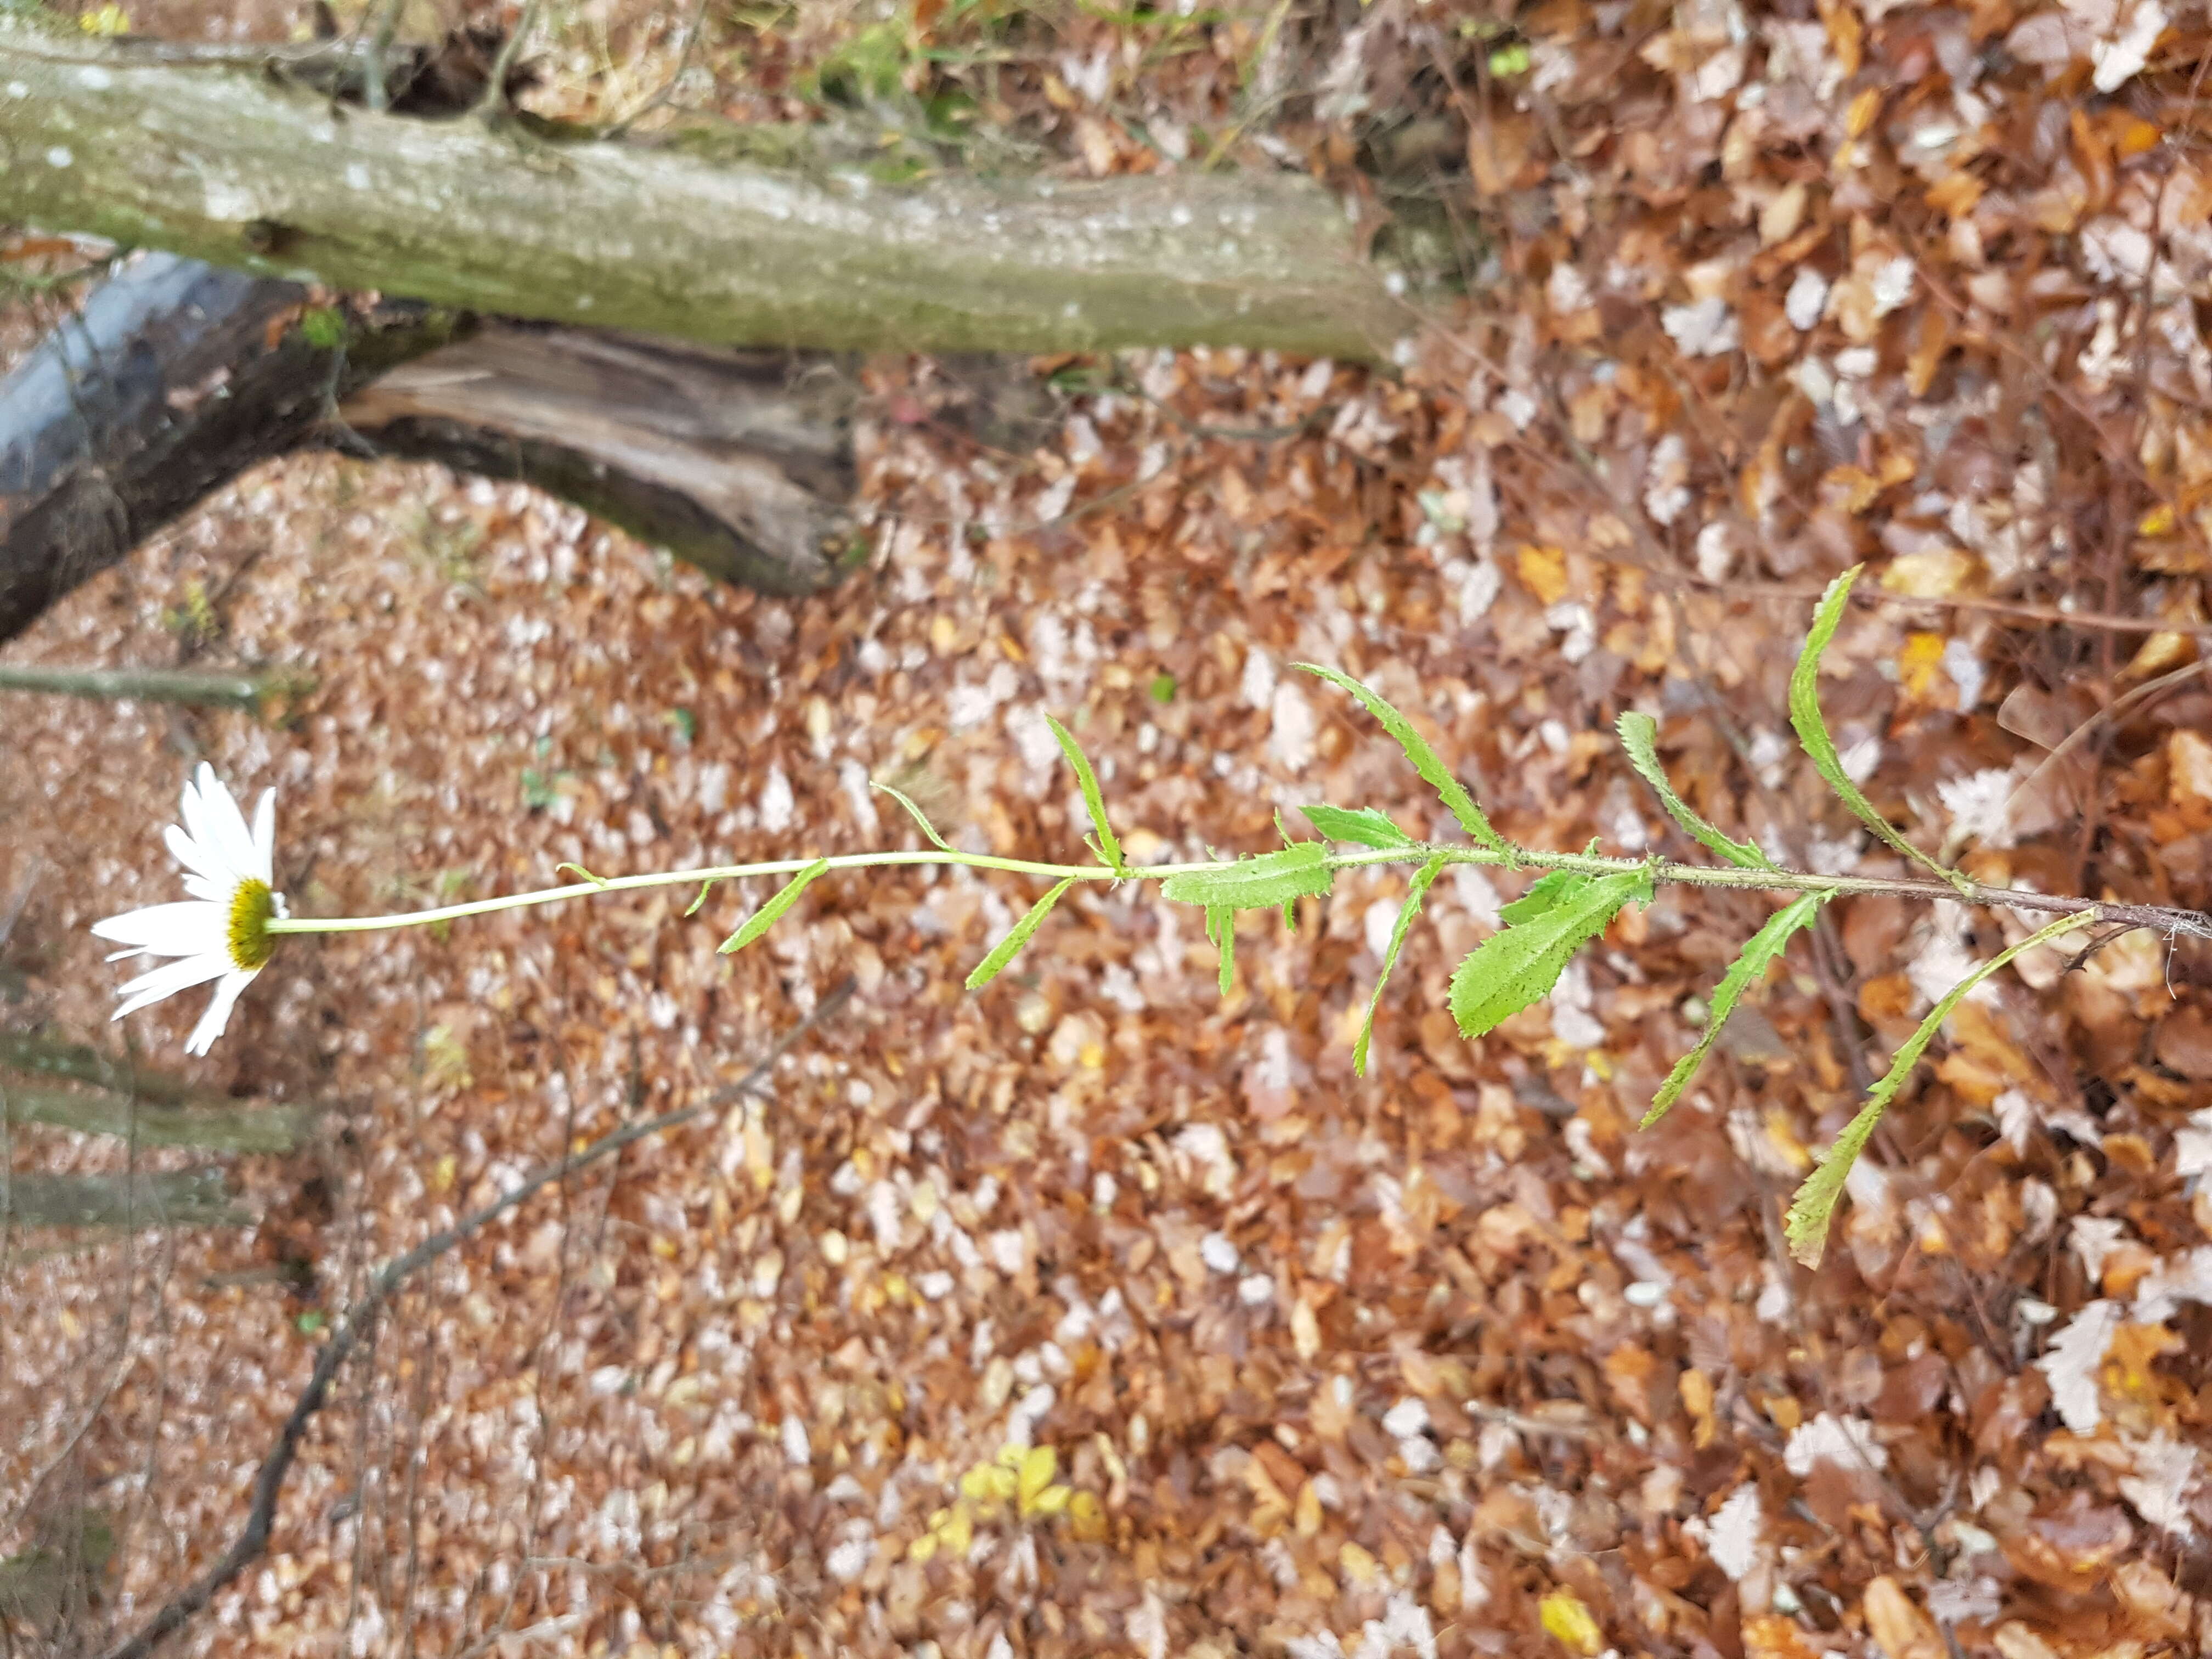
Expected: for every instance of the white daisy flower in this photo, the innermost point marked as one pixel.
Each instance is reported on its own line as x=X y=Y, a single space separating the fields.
x=219 y=933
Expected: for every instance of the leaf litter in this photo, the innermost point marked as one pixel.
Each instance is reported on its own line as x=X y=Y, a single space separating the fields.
x=1767 y=295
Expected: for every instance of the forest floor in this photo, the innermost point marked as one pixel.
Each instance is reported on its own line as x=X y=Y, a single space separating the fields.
x=1101 y=1312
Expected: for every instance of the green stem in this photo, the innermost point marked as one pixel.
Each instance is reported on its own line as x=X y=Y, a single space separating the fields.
x=2168 y=920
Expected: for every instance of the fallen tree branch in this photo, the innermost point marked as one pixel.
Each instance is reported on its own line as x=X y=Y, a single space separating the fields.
x=187 y=685
x=269 y=1482
x=238 y=1129
x=176 y=376
x=169 y=1198
x=241 y=169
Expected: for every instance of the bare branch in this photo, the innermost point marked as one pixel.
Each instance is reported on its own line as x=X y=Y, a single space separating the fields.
x=269 y=1483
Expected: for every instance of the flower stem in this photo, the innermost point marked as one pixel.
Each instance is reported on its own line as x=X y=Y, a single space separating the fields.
x=2164 y=919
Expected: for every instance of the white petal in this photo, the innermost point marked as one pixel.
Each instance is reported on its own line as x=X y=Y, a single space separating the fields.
x=199 y=831
x=188 y=927
x=199 y=860
x=233 y=842
x=218 y=1012
x=169 y=979
x=214 y=892
x=264 y=836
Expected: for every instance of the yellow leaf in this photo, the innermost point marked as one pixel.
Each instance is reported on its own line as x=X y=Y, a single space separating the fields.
x=1900 y=1629
x=1566 y=1618
x=988 y=1485
x=1918 y=664
x=1940 y=574
x=1782 y=1137
x=1359 y=1565
x=922 y=1547
x=1052 y=1500
x=1038 y=1466
x=1086 y=1519
x=1543 y=572
x=2159 y=521
x=2160 y=653
x=958 y=1531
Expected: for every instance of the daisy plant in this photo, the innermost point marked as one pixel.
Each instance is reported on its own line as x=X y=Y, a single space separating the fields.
x=222 y=932
x=226 y=931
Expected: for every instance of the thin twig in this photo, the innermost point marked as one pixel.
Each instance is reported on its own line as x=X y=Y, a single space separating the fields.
x=696 y=28
x=2119 y=706
x=269 y=1483
x=494 y=92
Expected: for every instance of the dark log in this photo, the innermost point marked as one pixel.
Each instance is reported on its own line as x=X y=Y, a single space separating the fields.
x=176 y=376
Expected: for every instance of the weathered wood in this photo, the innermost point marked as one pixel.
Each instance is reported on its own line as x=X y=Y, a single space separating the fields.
x=738 y=462
x=241 y=169
x=239 y=1128
x=174 y=1198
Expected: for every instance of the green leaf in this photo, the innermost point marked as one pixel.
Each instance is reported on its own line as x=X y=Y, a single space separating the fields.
x=1258 y=884
x=1221 y=934
x=1010 y=947
x=1510 y=970
x=1545 y=892
x=1639 y=736
x=1362 y=824
x=705 y=888
x=765 y=917
x=1765 y=948
x=323 y=328
x=1813 y=1207
x=915 y=813
x=1109 y=849
x=1433 y=771
x=1407 y=911
x=1813 y=732
x=596 y=881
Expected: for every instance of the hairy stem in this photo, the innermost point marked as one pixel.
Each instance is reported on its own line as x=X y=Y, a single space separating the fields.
x=2167 y=920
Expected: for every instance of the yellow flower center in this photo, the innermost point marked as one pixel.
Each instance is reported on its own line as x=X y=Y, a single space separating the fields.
x=251 y=908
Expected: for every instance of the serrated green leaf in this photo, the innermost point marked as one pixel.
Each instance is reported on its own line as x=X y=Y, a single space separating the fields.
x=1639 y=736
x=1510 y=970
x=1812 y=731
x=765 y=917
x=1109 y=849
x=1407 y=911
x=1763 y=949
x=1010 y=947
x=1361 y=824
x=1433 y=771
x=1258 y=884
x=1544 y=893
x=705 y=888
x=1221 y=934
x=1814 y=1206
x=913 y=812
